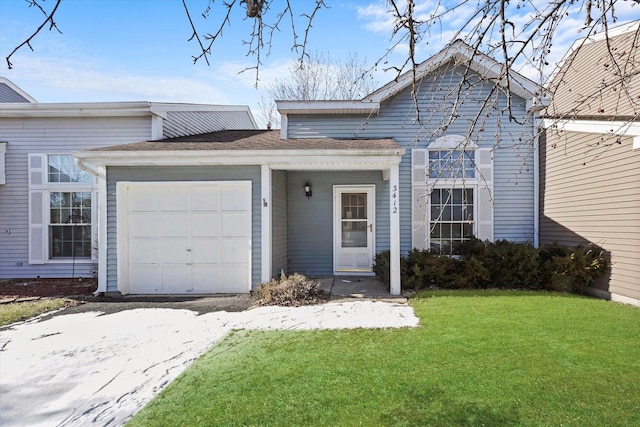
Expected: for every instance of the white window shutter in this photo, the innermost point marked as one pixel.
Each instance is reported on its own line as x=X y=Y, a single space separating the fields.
x=484 y=197
x=37 y=208
x=420 y=198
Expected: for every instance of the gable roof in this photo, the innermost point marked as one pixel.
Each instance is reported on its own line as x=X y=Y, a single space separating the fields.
x=10 y=93
x=459 y=52
x=255 y=140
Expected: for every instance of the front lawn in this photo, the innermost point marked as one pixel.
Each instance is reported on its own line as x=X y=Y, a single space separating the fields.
x=16 y=311
x=490 y=358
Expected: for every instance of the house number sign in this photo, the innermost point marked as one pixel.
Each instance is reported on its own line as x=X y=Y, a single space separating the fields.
x=394 y=197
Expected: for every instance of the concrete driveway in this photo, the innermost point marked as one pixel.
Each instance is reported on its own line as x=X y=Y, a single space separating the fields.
x=93 y=368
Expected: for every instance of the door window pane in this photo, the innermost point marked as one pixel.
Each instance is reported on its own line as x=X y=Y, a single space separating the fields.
x=354 y=234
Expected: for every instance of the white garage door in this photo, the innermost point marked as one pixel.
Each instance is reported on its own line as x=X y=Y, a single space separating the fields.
x=184 y=237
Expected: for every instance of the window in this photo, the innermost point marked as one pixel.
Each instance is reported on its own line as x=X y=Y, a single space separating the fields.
x=70 y=224
x=451 y=164
x=452 y=192
x=451 y=218
x=61 y=209
x=62 y=168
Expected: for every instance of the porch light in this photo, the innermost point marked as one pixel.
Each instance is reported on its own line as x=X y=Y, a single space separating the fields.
x=307 y=189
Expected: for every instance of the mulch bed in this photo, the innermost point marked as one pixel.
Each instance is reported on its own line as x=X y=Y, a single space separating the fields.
x=21 y=288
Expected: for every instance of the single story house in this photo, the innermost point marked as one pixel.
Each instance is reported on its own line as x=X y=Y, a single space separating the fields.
x=590 y=156
x=48 y=206
x=422 y=162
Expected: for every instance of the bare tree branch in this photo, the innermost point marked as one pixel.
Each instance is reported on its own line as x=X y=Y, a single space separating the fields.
x=48 y=19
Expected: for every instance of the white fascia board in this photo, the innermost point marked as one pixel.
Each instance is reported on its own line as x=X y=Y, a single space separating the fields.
x=595 y=126
x=460 y=52
x=328 y=107
x=277 y=159
x=75 y=109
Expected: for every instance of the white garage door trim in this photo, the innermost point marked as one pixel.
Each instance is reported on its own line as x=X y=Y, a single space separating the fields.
x=180 y=258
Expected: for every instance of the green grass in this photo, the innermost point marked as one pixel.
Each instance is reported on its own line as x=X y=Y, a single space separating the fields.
x=14 y=312
x=480 y=358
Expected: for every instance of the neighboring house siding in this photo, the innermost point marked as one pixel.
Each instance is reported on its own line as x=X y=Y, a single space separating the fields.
x=279 y=223
x=187 y=173
x=184 y=123
x=590 y=193
x=590 y=85
x=310 y=225
x=52 y=136
x=7 y=94
x=513 y=159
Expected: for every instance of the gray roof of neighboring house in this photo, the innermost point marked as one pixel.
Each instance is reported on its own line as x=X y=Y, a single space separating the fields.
x=253 y=140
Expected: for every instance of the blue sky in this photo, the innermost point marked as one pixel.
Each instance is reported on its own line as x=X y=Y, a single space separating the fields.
x=138 y=50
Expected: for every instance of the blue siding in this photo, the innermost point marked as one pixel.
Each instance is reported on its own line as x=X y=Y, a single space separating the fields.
x=310 y=231
x=279 y=222
x=513 y=143
x=188 y=173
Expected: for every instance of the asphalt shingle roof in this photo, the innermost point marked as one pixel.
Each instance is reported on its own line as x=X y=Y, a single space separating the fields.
x=253 y=140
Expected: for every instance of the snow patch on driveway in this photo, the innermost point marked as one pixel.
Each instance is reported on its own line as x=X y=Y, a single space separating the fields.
x=95 y=369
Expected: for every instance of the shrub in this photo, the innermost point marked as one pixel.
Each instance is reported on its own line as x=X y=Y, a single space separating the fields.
x=572 y=269
x=290 y=291
x=502 y=264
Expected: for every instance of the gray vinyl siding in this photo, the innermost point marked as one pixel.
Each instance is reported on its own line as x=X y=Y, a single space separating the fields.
x=53 y=136
x=279 y=222
x=591 y=194
x=513 y=159
x=185 y=173
x=310 y=221
x=184 y=123
x=9 y=95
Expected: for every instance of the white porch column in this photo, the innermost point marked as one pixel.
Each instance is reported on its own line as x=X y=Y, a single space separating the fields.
x=394 y=225
x=265 y=223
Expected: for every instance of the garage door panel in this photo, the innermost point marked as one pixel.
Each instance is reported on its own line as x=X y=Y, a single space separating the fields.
x=143 y=201
x=233 y=199
x=236 y=225
x=147 y=279
x=144 y=251
x=174 y=251
x=206 y=251
x=205 y=200
x=185 y=237
x=141 y=226
x=175 y=200
x=205 y=225
x=233 y=278
x=206 y=278
x=175 y=225
x=235 y=251
x=176 y=279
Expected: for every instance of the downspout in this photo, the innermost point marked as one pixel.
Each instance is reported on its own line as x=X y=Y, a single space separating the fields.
x=536 y=182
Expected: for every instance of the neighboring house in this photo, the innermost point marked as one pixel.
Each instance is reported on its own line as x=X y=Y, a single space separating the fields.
x=48 y=206
x=590 y=156
x=341 y=181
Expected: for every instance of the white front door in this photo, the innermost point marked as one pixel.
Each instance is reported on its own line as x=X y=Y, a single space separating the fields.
x=353 y=225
